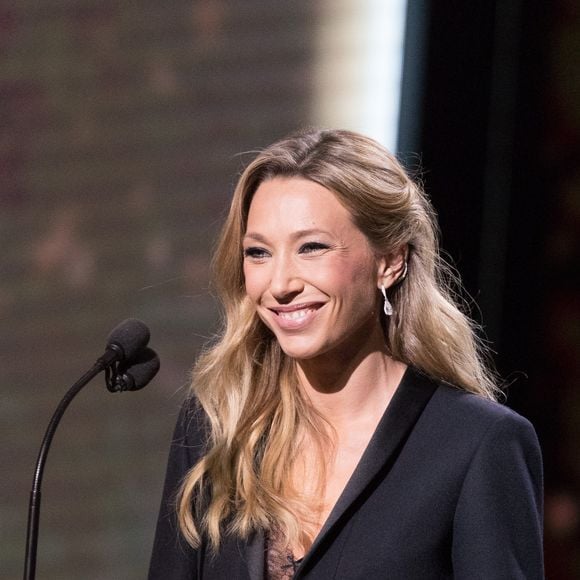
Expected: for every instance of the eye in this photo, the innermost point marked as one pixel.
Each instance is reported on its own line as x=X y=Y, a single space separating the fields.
x=311 y=247
x=255 y=253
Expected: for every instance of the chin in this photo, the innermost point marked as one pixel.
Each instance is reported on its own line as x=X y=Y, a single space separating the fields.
x=301 y=351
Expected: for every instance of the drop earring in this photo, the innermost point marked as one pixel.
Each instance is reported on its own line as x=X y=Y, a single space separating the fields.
x=387 y=306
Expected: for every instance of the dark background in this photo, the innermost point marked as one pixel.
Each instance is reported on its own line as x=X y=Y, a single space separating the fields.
x=495 y=123
x=121 y=126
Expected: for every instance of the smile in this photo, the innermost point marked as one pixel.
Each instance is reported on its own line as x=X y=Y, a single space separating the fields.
x=295 y=317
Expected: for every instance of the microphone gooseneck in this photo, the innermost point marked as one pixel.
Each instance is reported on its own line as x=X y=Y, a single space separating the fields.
x=127 y=341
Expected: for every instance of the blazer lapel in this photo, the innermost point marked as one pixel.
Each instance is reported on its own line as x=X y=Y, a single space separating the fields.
x=403 y=411
x=255 y=556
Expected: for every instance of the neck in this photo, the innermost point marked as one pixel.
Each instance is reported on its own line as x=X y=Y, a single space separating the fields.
x=347 y=386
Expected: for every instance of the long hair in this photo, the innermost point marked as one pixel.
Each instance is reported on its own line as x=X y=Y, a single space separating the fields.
x=245 y=383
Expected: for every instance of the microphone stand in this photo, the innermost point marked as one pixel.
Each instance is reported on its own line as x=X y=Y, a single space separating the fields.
x=103 y=363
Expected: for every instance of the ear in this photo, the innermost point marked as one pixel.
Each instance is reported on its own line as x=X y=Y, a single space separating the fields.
x=391 y=268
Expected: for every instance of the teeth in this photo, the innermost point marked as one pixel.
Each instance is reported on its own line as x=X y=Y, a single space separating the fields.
x=295 y=314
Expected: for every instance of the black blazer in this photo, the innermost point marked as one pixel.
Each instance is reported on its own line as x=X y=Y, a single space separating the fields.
x=450 y=486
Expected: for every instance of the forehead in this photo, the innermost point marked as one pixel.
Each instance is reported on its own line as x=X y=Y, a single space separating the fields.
x=296 y=203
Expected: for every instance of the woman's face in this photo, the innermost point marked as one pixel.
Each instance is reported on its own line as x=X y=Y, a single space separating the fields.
x=309 y=271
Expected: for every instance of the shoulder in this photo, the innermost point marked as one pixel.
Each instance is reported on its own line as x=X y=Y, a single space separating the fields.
x=191 y=432
x=478 y=442
x=486 y=430
x=192 y=417
x=468 y=408
x=467 y=420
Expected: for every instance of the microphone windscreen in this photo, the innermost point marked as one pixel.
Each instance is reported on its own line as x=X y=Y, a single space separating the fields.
x=137 y=373
x=130 y=336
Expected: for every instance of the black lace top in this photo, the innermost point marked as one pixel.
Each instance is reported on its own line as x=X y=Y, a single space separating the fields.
x=280 y=561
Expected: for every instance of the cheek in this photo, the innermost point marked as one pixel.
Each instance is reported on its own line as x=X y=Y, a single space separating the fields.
x=359 y=284
x=358 y=270
x=253 y=283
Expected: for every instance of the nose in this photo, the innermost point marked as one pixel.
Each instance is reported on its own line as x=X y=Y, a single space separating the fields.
x=285 y=282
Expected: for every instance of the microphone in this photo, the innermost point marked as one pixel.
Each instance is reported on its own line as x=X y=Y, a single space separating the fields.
x=125 y=341
x=135 y=374
x=126 y=358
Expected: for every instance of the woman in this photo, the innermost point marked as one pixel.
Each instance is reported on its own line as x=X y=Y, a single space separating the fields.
x=344 y=424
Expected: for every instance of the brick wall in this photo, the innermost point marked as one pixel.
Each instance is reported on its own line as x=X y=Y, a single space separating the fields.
x=120 y=125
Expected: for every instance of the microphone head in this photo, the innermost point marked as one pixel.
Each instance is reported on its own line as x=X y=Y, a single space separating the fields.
x=135 y=374
x=128 y=338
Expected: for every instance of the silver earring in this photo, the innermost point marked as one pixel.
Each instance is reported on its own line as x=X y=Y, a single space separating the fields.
x=387 y=306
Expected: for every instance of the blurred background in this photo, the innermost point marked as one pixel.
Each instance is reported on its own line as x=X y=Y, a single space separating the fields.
x=123 y=126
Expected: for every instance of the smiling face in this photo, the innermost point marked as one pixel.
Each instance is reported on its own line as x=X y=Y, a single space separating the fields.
x=309 y=271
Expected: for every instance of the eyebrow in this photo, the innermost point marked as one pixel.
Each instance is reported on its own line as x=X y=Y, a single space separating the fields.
x=295 y=235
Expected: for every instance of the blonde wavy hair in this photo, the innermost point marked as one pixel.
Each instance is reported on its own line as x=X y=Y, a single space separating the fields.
x=247 y=386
